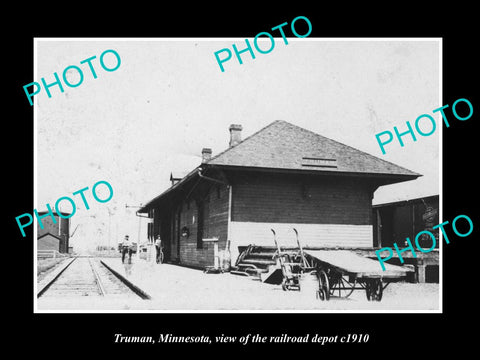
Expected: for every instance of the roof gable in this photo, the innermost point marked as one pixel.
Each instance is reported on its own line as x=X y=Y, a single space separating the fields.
x=50 y=234
x=282 y=145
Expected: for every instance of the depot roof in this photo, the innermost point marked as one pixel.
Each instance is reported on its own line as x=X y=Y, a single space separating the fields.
x=282 y=146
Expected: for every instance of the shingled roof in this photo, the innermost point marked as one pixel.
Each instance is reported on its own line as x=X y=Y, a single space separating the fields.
x=286 y=147
x=282 y=145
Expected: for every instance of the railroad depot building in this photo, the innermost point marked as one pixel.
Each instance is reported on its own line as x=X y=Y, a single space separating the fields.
x=281 y=177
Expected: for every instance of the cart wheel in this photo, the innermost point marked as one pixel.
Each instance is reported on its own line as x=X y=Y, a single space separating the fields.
x=323 y=285
x=296 y=283
x=284 y=285
x=321 y=294
x=374 y=290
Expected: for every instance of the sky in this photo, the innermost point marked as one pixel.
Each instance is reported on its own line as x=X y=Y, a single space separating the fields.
x=169 y=99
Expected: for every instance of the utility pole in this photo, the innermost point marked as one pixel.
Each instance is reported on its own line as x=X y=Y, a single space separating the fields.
x=109 y=229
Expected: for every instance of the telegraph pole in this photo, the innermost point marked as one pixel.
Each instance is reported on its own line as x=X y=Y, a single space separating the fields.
x=109 y=230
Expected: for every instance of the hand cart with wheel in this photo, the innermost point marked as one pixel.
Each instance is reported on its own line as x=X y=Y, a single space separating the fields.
x=292 y=263
x=340 y=272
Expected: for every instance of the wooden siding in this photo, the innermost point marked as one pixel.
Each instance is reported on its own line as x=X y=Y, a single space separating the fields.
x=328 y=211
x=48 y=242
x=175 y=235
x=215 y=225
x=217 y=222
x=296 y=199
x=310 y=235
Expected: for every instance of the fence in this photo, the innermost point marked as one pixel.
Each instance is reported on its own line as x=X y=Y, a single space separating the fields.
x=45 y=254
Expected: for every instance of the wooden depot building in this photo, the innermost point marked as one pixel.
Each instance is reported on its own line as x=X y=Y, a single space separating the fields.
x=281 y=177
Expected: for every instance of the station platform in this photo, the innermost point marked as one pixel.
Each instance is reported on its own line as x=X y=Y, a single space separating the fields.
x=178 y=287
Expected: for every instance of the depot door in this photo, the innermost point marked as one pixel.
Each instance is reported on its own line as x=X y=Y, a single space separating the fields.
x=166 y=236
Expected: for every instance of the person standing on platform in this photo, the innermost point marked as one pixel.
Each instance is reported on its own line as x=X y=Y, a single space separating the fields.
x=126 y=247
x=158 y=247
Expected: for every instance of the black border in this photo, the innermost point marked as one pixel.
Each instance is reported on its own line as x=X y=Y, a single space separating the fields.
x=389 y=333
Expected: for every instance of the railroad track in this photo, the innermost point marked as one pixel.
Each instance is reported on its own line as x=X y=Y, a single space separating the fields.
x=85 y=276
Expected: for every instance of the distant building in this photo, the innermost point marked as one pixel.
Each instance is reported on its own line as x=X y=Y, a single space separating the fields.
x=395 y=221
x=49 y=242
x=58 y=231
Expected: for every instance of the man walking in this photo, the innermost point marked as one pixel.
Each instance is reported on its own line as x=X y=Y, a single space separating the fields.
x=126 y=247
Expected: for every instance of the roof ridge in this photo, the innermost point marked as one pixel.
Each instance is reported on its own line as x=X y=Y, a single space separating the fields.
x=244 y=140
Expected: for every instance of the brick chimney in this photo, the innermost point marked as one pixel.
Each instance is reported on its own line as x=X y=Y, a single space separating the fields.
x=206 y=154
x=235 y=134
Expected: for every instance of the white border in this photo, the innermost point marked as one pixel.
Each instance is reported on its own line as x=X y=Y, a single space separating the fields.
x=440 y=310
